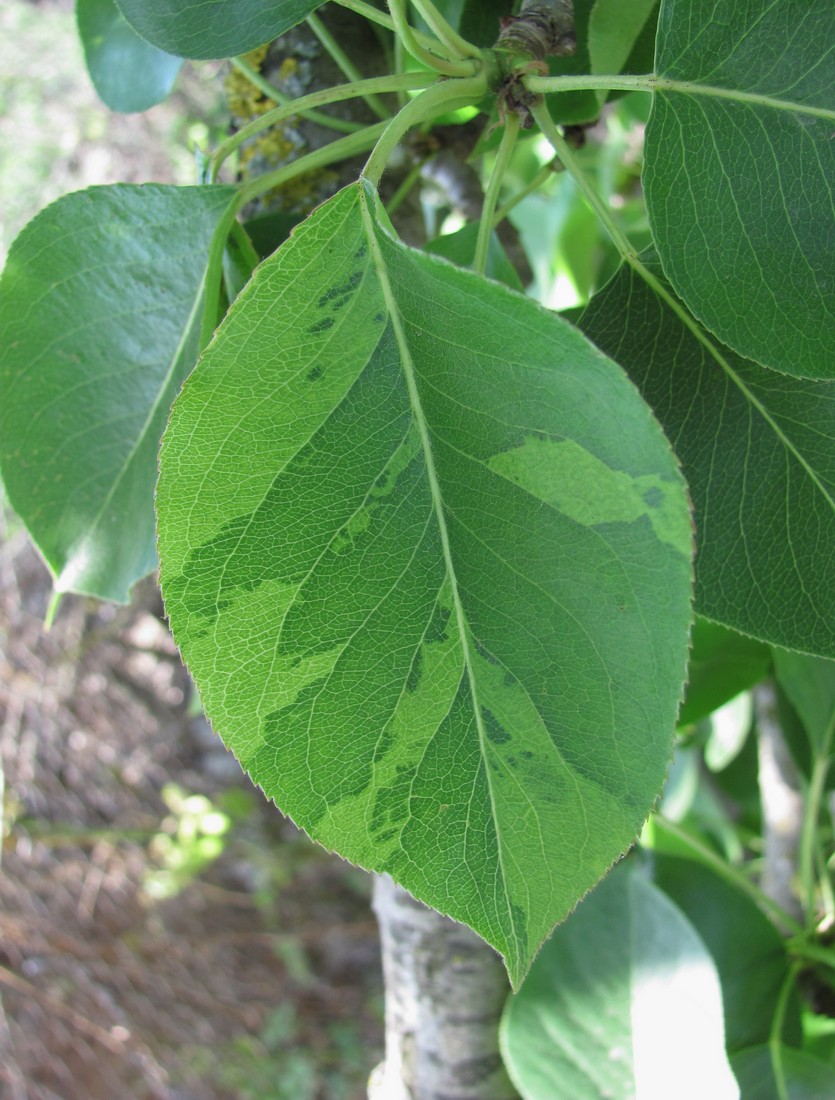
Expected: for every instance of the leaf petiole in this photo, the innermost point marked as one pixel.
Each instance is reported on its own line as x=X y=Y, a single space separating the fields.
x=429 y=57
x=344 y=63
x=459 y=46
x=545 y=85
x=448 y=95
x=412 y=81
x=374 y=15
x=729 y=873
x=491 y=196
x=283 y=100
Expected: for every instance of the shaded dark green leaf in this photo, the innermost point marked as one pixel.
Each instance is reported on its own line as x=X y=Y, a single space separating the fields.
x=740 y=190
x=722 y=664
x=100 y=306
x=758 y=452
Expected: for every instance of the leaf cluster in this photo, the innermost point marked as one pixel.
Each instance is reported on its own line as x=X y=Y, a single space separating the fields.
x=446 y=565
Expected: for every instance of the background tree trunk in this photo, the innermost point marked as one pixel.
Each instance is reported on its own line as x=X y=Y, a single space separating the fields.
x=445 y=990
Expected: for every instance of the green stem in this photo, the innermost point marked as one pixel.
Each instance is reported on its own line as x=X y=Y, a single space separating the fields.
x=801 y=949
x=344 y=63
x=776 y=1033
x=405 y=82
x=255 y=78
x=429 y=57
x=446 y=96
x=459 y=46
x=373 y=15
x=564 y=151
x=544 y=85
x=491 y=195
x=811 y=816
x=541 y=177
x=729 y=873
x=340 y=149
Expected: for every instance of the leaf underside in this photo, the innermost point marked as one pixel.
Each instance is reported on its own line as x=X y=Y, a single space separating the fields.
x=736 y=190
x=436 y=607
x=758 y=452
x=99 y=324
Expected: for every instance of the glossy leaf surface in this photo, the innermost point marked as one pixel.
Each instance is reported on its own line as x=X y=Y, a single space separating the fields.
x=623 y=1001
x=214 y=28
x=758 y=452
x=438 y=613
x=739 y=183
x=128 y=73
x=99 y=322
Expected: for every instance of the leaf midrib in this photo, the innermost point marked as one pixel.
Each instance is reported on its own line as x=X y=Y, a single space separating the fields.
x=438 y=508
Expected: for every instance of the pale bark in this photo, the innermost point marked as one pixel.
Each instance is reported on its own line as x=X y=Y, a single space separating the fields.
x=782 y=805
x=445 y=991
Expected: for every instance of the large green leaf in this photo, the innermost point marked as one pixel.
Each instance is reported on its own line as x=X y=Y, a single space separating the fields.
x=99 y=323
x=623 y=1002
x=739 y=171
x=758 y=451
x=214 y=28
x=128 y=73
x=437 y=609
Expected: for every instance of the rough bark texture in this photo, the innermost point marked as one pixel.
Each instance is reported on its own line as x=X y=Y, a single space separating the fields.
x=445 y=990
x=782 y=804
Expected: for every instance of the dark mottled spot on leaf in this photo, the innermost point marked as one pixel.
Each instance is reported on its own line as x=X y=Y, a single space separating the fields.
x=416 y=671
x=527 y=754
x=509 y=680
x=486 y=654
x=361 y=252
x=338 y=295
x=654 y=497
x=379 y=318
x=391 y=803
x=315 y=373
x=494 y=729
x=437 y=631
x=320 y=326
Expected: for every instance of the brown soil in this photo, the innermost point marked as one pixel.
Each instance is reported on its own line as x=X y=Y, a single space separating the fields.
x=259 y=979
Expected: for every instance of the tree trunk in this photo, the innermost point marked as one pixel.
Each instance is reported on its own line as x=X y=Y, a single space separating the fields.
x=445 y=990
x=782 y=805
